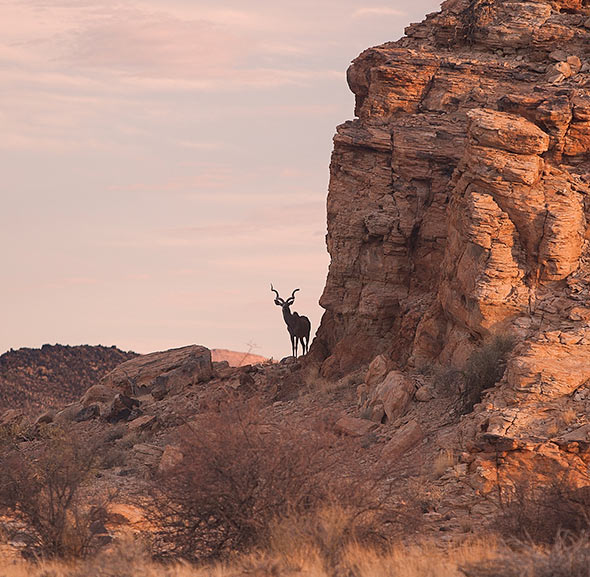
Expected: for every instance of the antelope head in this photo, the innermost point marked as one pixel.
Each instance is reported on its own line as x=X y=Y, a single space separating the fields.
x=279 y=301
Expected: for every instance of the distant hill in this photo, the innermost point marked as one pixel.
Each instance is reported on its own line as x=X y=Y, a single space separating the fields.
x=236 y=359
x=54 y=375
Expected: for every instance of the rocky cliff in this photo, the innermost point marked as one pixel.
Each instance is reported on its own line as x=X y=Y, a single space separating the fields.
x=458 y=210
x=458 y=196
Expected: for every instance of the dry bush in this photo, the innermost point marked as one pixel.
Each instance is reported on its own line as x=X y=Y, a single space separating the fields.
x=568 y=417
x=449 y=381
x=42 y=487
x=442 y=462
x=544 y=514
x=16 y=431
x=485 y=367
x=563 y=559
x=239 y=475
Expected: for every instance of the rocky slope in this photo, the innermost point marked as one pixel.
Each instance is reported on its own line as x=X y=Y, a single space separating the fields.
x=458 y=210
x=55 y=375
x=50 y=377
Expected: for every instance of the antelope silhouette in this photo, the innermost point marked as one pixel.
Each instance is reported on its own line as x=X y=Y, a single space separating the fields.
x=299 y=327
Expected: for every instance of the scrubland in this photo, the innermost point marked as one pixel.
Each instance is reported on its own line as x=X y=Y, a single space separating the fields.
x=310 y=558
x=253 y=497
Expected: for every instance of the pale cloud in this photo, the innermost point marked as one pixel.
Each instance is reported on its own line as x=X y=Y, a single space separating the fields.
x=377 y=11
x=136 y=43
x=201 y=145
x=153 y=146
x=290 y=225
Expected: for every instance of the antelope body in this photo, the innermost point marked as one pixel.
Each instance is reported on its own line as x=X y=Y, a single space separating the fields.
x=298 y=326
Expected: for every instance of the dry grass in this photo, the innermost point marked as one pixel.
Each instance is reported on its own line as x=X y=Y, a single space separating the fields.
x=303 y=558
x=568 y=417
x=296 y=558
x=443 y=461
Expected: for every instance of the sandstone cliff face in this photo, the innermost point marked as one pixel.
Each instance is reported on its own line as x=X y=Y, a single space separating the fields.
x=458 y=201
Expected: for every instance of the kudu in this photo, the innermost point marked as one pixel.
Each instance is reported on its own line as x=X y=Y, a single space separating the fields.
x=299 y=327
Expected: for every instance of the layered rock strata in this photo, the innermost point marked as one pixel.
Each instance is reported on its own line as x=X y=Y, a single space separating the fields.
x=458 y=210
x=458 y=199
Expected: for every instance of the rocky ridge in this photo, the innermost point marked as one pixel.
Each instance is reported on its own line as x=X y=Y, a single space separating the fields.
x=50 y=377
x=458 y=196
x=458 y=211
x=56 y=375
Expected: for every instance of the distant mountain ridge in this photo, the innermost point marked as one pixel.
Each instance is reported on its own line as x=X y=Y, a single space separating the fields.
x=54 y=375
x=236 y=359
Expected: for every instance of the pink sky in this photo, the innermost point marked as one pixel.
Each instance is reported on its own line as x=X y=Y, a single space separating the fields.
x=164 y=161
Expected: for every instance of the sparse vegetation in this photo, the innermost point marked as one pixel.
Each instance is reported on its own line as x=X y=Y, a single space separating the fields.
x=43 y=489
x=241 y=476
x=565 y=558
x=446 y=458
x=54 y=375
x=480 y=558
x=485 y=367
x=568 y=417
x=544 y=514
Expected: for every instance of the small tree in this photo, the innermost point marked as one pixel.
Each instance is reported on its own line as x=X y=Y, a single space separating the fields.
x=42 y=485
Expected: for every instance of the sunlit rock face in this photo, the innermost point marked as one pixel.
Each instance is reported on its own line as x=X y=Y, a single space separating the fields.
x=458 y=199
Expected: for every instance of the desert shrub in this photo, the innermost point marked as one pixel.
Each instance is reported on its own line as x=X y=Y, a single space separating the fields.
x=16 y=431
x=544 y=514
x=42 y=487
x=126 y=557
x=323 y=535
x=238 y=476
x=565 y=558
x=449 y=381
x=485 y=367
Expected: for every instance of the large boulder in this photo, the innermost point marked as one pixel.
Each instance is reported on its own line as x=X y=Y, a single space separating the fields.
x=98 y=394
x=406 y=438
x=378 y=370
x=172 y=370
x=354 y=427
x=390 y=398
x=122 y=408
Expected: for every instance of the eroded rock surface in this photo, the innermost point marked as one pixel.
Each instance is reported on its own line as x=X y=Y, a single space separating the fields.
x=458 y=210
x=171 y=370
x=458 y=197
